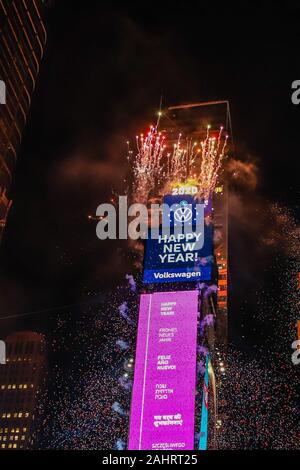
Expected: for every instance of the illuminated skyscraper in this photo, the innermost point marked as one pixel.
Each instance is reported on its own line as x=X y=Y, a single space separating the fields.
x=183 y=278
x=192 y=120
x=22 y=43
x=20 y=379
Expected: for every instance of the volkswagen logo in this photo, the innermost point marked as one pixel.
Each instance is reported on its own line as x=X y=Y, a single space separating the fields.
x=183 y=214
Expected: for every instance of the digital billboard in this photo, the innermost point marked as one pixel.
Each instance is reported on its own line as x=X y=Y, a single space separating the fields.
x=163 y=398
x=184 y=252
x=179 y=257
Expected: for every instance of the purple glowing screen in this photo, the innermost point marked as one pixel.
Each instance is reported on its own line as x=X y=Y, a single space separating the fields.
x=163 y=398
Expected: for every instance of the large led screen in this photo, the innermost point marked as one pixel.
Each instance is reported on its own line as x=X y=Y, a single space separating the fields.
x=163 y=399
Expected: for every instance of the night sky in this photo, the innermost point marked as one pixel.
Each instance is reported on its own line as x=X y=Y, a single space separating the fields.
x=101 y=79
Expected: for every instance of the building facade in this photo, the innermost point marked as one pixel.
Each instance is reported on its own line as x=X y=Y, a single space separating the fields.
x=189 y=130
x=20 y=380
x=192 y=120
x=22 y=42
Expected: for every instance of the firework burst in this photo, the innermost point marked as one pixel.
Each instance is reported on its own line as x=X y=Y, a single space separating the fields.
x=148 y=167
x=211 y=156
x=188 y=160
x=181 y=160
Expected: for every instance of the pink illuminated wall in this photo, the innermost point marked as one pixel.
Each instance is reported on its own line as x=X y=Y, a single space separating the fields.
x=163 y=400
